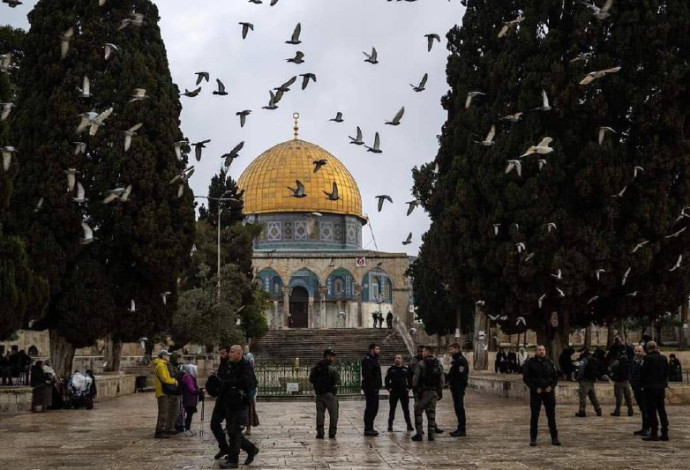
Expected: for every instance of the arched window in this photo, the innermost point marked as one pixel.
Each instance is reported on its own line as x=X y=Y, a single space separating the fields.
x=277 y=287
x=33 y=351
x=339 y=287
x=376 y=290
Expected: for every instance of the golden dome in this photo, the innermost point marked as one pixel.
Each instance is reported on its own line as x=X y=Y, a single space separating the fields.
x=265 y=181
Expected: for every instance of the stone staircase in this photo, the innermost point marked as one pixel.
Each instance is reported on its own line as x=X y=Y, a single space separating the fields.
x=350 y=344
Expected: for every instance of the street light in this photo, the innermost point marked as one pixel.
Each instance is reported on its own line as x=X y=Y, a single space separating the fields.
x=223 y=198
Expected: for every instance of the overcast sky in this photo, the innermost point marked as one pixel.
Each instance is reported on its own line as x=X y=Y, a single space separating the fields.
x=205 y=35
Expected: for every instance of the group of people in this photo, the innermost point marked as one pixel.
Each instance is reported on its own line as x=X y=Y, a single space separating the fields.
x=52 y=392
x=377 y=319
x=511 y=362
x=14 y=366
x=647 y=373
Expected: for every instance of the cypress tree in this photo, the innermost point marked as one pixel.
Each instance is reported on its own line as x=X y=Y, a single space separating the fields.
x=496 y=225
x=139 y=245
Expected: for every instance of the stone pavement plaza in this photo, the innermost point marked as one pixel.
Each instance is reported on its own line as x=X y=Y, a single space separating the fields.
x=118 y=434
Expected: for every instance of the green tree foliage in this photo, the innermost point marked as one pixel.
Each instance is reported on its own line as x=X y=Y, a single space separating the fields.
x=140 y=246
x=601 y=205
x=225 y=187
x=23 y=294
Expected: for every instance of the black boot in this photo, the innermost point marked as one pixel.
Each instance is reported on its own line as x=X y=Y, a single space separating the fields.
x=653 y=436
x=390 y=425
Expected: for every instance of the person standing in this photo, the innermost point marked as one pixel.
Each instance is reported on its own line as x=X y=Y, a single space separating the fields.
x=414 y=364
x=398 y=383
x=587 y=374
x=675 y=370
x=427 y=385
x=521 y=359
x=374 y=319
x=620 y=374
x=636 y=384
x=167 y=408
x=325 y=378
x=190 y=396
x=458 y=376
x=380 y=317
x=540 y=376
x=252 y=415
x=213 y=386
x=236 y=386
x=389 y=320
x=371 y=384
x=654 y=377
x=501 y=362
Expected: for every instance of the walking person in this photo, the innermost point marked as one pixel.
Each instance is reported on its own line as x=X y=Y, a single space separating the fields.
x=636 y=384
x=654 y=376
x=458 y=376
x=398 y=383
x=234 y=397
x=620 y=374
x=252 y=416
x=167 y=408
x=325 y=378
x=213 y=387
x=427 y=385
x=540 y=376
x=587 y=375
x=371 y=384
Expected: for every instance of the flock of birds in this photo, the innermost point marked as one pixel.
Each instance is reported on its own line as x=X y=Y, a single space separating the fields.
x=543 y=148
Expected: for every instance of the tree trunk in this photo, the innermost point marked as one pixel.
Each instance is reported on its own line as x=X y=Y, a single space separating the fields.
x=113 y=352
x=610 y=336
x=588 y=337
x=481 y=338
x=682 y=336
x=62 y=354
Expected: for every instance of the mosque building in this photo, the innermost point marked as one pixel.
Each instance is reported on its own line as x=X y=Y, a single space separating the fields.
x=309 y=255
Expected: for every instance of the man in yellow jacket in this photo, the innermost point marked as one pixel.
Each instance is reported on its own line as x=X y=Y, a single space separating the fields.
x=167 y=404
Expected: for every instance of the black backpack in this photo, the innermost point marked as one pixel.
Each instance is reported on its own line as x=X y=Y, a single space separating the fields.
x=592 y=372
x=433 y=371
x=321 y=379
x=213 y=385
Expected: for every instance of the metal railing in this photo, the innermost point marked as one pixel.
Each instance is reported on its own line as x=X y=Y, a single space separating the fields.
x=290 y=379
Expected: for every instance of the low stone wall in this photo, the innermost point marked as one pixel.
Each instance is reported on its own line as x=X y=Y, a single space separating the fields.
x=18 y=399
x=511 y=386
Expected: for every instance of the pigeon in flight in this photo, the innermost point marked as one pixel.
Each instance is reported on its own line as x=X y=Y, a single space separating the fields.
x=201 y=76
x=625 y=276
x=221 y=89
x=121 y=194
x=139 y=95
x=550 y=226
x=81 y=194
x=430 y=38
x=358 y=140
x=333 y=195
x=422 y=84
x=135 y=19
x=591 y=76
x=273 y=100
x=299 y=190
x=294 y=39
x=560 y=292
x=675 y=234
x=183 y=176
x=12 y=3
x=377 y=143
x=88 y=234
x=371 y=58
x=5 y=109
x=71 y=178
x=245 y=28
x=65 y=38
x=520 y=247
x=305 y=79
x=318 y=164
x=637 y=169
x=164 y=297
x=599 y=13
x=243 y=116
x=582 y=56
x=677 y=265
x=511 y=117
x=338 y=117
x=131 y=132
x=592 y=299
x=408 y=240
x=514 y=165
x=507 y=25
x=602 y=133
x=7 y=152
x=180 y=147
x=545 y=106
x=108 y=49
x=540 y=300
x=519 y=320
x=621 y=192
x=99 y=120
x=541 y=148
x=298 y=59
x=470 y=96
x=191 y=94
x=398 y=116
x=79 y=148
x=285 y=87
x=497 y=227
x=198 y=148
x=233 y=154
x=599 y=272
x=489 y=140
x=411 y=205
x=558 y=275
x=382 y=198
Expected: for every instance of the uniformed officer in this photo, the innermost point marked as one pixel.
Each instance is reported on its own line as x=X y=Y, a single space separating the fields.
x=427 y=385
x=540 y=376
x=398 y=383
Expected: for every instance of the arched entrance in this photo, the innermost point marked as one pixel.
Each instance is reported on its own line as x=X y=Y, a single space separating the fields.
x=299 y=308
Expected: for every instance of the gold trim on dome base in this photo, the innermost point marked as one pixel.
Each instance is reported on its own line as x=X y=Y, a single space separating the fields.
x=265 y=182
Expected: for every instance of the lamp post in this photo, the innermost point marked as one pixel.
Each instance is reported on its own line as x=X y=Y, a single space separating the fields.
x=222 y=198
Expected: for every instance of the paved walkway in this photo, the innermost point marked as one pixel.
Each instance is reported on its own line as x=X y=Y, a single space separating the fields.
x=118 y=434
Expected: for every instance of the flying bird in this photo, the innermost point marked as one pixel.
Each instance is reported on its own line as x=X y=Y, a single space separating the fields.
x=497 y=227
x=294 y=39
x=511 y=117
x=677 y=265
x=519 y=320
x=245 y=28
x=131 y=132
x=602 y=133
x=358 y=140
x=560 y=292
x=470 y=96
x=81 y=194
x=430 y=38
x=408 y=240
x=7 y=152
x=550 y=226
x=109 y=48
x=243 y=116
x=221 y=88
x=599 y=13
x=514 y=165
x=411 y=205
x=135 y=19
x=675 y=234
x=333 y=195
x=338 y=117
x=591 y=76
x=382 y=198
x=139 y=95
x=298 y=59
x=377 y=142
x=489 y=140
x=132 y=306
x=273 y=100
x=558 y=275
x=164 y=297
x=305 y=79
x=621 y=192
x=373 y=57
x=85 y=89
x=592 y=299
x=520 y=247
x=632 y=294
x=422 y=84
x=121 y=194
x=299 y=190
x=582 y=56
x=545 y=105
x=540 y=300
x=12 y=3
x=637 y=169
x=79 y=148
x=198 y=148
x=285 y=87
x=180 y=147
x=599 y=272
x=71 y=178
x=88 y=234
x=39 y=204
x=65 y=38
x=398 y=116
x=625 y=276
x=183 y=176
x=5 y=109
x=99 y=120
x=541 y=148
x=193 y=93
x=507 y=25
x=233 y=154
x=201 y=76
x=318 y=164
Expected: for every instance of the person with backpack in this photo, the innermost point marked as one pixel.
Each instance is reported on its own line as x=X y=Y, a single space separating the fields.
x=427 y=385
x=371 y=384
x=398 y=383
x=587 y=374
x=458 y=376
x=325 y=378
x=620 y=374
